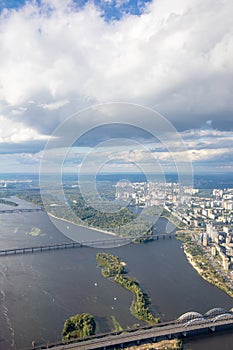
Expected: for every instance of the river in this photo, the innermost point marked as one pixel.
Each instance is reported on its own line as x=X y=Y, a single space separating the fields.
x=39 y=291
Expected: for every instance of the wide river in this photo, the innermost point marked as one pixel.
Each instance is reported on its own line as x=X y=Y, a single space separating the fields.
x=39 y=291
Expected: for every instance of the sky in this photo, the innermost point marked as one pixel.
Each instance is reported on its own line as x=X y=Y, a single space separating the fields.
x=61 y=57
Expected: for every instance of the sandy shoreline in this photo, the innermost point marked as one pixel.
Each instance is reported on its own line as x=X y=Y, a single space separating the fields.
x=194 y=265
x=192 y=262
x=82 y=226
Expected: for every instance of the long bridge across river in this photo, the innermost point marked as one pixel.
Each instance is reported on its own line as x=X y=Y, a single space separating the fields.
x=20 y=210
x=104 y=243
x=189 y=324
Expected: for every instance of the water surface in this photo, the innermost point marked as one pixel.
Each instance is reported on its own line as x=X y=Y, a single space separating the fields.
x=38 y=292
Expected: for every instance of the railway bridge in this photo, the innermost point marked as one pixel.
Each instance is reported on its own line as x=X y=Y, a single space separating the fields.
x=188 y=324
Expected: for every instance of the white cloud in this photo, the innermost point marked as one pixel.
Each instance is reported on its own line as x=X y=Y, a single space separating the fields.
x=17 y=132
x=177 y=55
x=54 y=105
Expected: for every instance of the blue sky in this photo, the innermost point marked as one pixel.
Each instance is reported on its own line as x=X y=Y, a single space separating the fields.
x=58 y=57
x=112 y=9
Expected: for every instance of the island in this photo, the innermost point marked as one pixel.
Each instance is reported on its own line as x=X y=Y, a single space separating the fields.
x=7 y=202
x=113 y=267
x=78 y=326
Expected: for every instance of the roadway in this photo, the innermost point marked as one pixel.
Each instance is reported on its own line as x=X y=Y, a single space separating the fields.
x=168 y=331
x=22 y=210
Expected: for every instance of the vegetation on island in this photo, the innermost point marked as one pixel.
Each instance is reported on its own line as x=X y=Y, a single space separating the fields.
x=112 y=266
x=147 y=237
x=109 y=217
x=79 y=326
x=32 y=195
x=202 y=264
x=7 y=202
x=35 y=232
x=116 y=325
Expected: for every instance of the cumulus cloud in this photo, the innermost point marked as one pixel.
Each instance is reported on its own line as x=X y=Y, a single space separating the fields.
x=176 y=56
x=56 y=58
x=16 y=132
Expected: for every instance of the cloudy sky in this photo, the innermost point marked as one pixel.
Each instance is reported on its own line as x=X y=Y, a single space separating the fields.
x=59 y=57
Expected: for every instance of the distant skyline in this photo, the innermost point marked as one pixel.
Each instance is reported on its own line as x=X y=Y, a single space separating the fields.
x=58 y=57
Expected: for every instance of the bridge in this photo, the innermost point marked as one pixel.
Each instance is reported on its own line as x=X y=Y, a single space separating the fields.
x=189 y=324
x=94 y=243
x=22 y=210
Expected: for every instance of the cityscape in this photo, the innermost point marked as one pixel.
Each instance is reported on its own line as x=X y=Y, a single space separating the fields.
x=210 y=217
x=116 y=181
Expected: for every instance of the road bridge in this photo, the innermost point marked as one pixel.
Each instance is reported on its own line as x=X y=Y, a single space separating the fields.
x=180 y=328
x=94 y=243
x=22 y=210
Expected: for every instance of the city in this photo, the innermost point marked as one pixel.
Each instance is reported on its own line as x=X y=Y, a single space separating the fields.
x=116 y=177
x=209 y=216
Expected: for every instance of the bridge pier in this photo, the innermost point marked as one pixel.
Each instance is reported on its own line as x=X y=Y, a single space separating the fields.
x=50 y=247
x=167 y=330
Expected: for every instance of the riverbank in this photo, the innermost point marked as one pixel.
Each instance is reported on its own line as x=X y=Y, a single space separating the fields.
x=202 y=264
x=174 y=344
x=82 y=226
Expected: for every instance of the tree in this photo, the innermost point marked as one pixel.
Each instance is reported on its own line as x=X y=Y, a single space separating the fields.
x=79 y=326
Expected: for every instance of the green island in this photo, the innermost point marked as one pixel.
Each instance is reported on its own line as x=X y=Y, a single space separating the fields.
x=113 y=267
x=201 y=263
x=78 y=326
x=83 y=325
x=7 y=202
x=115 y=219
x=35 y=232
